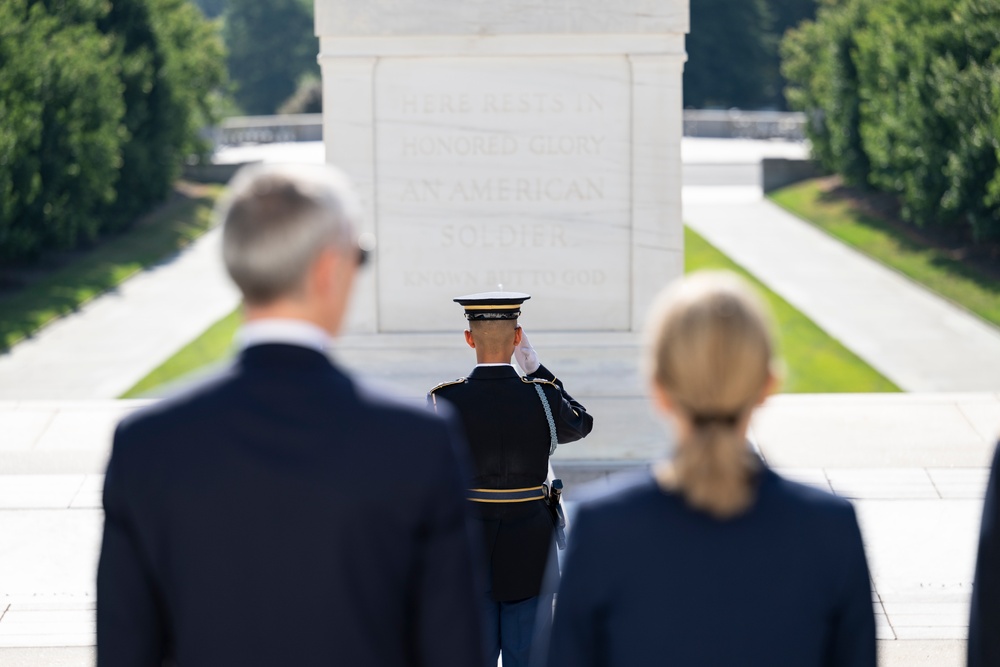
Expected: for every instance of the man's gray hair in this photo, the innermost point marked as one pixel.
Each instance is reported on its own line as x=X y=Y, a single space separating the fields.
x=278 y=218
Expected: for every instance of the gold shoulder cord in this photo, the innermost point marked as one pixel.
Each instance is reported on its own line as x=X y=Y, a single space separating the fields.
x=434 y=400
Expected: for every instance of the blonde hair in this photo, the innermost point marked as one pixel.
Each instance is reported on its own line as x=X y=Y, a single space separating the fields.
x=708 y=347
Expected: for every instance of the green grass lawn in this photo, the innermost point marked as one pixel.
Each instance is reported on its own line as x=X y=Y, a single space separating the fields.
x=813 y=361
x=90 y=273
x=212 y=347
x=931 y=267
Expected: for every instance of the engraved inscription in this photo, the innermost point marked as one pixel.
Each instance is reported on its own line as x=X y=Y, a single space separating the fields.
x=442 y=145
x=482 y=235
x=504 y=171
x=431 y=104
x=423 y=146
x=529 y=278
x=502 y=190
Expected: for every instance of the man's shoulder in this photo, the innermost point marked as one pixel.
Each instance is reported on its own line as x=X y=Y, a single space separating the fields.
x=417 y=440
x=380 y=402
x=449 y=385
x=180 y=407
x=219 y=404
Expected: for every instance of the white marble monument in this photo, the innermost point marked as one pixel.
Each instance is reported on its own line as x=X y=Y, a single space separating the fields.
x=533 y=145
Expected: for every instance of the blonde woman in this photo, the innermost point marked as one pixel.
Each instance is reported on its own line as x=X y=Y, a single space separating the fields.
x=713 y=559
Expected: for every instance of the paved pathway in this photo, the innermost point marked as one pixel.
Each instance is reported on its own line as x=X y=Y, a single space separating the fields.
x=918 y=340
x=913 y=463
x=915 y=338
x=115 y=340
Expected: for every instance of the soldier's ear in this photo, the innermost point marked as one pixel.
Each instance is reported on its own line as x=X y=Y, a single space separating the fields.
x=469 y=340
x=517 y=335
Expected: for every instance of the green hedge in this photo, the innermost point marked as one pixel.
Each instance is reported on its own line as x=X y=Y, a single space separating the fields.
x=100 y=103
x=60 y=118
x=904 y=97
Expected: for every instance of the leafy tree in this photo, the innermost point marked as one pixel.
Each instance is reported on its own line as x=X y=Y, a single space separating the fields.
x=172 y=64
x=903 y=97
x=60 y=125
x=271 y=47
x=902 y=135
x=728 y=54
x=823 y=82
x=99 y=104
x=307 y=98
x=732 y=50
x=972 y=66
x=212 y=8
x=786 y=14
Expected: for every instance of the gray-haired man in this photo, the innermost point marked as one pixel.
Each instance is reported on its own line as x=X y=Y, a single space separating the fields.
x=280 y=513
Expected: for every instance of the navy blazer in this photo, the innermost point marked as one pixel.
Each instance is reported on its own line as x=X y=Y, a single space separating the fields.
x=984 y=622
x=281 y=514
x=650 y=581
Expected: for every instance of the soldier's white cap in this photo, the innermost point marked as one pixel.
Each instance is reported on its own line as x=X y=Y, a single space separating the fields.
x=492 y=305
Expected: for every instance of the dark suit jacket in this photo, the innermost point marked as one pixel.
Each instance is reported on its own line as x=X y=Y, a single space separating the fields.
x=510 y=438
x=984 y=622
x=281 y=514
x=650 y=581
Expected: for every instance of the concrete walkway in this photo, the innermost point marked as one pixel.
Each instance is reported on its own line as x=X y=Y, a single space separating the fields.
x=102 y=350
x=918 y=340
x=117 y=339
x=914 y=464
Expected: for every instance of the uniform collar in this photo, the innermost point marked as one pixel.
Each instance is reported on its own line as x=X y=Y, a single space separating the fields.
x=283 y=332
x=493 y=372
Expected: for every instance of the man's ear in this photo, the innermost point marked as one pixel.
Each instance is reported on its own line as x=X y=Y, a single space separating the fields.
x=517 y=336
x=468 y=339
x=323 y=270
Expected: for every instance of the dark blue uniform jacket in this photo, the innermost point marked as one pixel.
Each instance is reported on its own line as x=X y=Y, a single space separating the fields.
x=280 y=514
x=510 y=439
x=649 y=581
x=984 y=624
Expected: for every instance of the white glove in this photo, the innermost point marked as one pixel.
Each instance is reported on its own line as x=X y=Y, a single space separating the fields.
x=526 y=356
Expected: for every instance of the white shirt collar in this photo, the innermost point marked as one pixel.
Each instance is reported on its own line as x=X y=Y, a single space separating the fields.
x=283 y=331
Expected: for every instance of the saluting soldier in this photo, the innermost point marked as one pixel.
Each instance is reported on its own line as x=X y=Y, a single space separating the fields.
x=513 y=425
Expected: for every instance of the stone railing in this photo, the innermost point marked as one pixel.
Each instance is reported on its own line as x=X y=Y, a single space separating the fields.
x=737 y=124
x=732 y=124
x=269 y=129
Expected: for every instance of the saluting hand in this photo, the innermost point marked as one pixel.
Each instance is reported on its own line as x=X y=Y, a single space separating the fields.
x=526 y=356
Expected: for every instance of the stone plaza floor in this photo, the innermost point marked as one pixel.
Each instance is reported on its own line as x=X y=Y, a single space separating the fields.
x=914 y=464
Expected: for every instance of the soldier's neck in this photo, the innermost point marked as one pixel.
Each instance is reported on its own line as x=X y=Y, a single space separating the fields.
x=492 y=358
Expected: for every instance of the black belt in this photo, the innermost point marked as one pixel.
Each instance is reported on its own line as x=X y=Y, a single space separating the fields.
x=505 y=495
